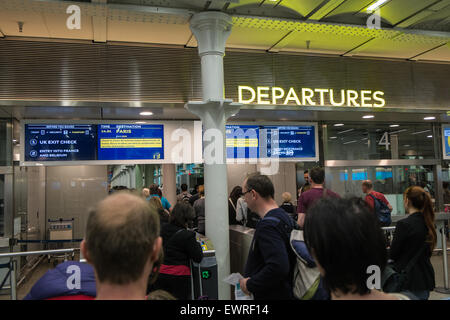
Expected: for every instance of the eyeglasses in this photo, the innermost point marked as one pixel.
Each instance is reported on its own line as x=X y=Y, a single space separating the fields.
x=244 y=193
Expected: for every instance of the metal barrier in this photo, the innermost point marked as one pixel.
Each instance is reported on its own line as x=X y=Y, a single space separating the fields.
x=446 y=288
x=13 y=263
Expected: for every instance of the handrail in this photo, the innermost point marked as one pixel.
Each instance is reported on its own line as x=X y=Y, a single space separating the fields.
x=41 y=252
x=13 y=255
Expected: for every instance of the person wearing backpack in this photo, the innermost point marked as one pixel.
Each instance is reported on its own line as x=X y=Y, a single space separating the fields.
x=378 y=203
x=270 y=263
x=184 y=194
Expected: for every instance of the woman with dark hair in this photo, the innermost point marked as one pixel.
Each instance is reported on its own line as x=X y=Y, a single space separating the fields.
x=232 y=203
x=345 y=239
x=415 y=238
x=180 y=246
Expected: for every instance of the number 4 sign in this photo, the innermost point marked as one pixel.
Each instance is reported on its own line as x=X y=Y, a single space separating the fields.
x=384 y=141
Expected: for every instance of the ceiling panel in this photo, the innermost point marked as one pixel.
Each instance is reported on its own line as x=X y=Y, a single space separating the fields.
x=56 y=25
x=392 y=49
x=323 y=43
x=34 y=23
x=286 y=8
x=396 y=10
x=130 y=31
x=439 y=54
x=439 y=21
x=177 y=112
x=253 y=38
x=304 y=7
x=348 y=7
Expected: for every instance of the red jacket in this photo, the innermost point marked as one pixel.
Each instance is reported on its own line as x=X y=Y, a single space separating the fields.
x=369 y=200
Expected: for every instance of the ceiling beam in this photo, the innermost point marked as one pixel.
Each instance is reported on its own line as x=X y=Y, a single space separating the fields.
x=349 y=52
x=324 y=9
x=284 y=41
x=192 y=42
x=219 y=4
x=423 y=13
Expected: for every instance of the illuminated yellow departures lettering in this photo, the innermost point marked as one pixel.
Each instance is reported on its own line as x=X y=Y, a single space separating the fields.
x=264 y=95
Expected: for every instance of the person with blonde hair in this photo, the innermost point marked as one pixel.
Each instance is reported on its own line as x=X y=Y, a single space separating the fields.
x=145 y=193
x=288 y=206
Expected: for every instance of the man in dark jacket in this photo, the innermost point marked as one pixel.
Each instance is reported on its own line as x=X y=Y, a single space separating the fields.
x=268 y=272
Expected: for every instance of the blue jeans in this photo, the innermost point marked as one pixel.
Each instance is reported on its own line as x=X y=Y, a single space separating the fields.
x=421 y=295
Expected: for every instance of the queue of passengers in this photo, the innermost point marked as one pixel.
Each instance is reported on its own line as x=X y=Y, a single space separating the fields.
x=141 y=247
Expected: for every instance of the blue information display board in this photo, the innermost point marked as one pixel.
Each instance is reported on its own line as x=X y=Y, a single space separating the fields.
x=130 y=142
x=60 y=142
x=246 y=141
x=289 y=141
x=242 y=141
x=446 y=137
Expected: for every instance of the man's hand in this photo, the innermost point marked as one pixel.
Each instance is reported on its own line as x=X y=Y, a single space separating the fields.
x=243 y=284
x=301 y=219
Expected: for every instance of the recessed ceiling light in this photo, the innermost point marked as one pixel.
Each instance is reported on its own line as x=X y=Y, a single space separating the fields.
x=368 y=116
x=429 y=118
x=140 y=122
x=394 y=125
x=146 y=113
x=338 y=124
x=430 y=136
x=407 y=145
x=333 y=137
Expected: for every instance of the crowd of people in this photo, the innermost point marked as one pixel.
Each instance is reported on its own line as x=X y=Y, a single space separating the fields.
x=141 y=246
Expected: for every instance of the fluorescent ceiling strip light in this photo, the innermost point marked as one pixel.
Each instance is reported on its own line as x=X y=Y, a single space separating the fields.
x=419 y=132
x=353 y=141
x=398 y=131
x=376 y=5
x=345 y=131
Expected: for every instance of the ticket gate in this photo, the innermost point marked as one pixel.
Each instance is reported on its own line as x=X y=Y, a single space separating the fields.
x=204 y=277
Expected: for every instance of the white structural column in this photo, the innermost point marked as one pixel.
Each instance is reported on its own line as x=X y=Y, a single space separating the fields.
x=169 y=181
x=211 y=30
